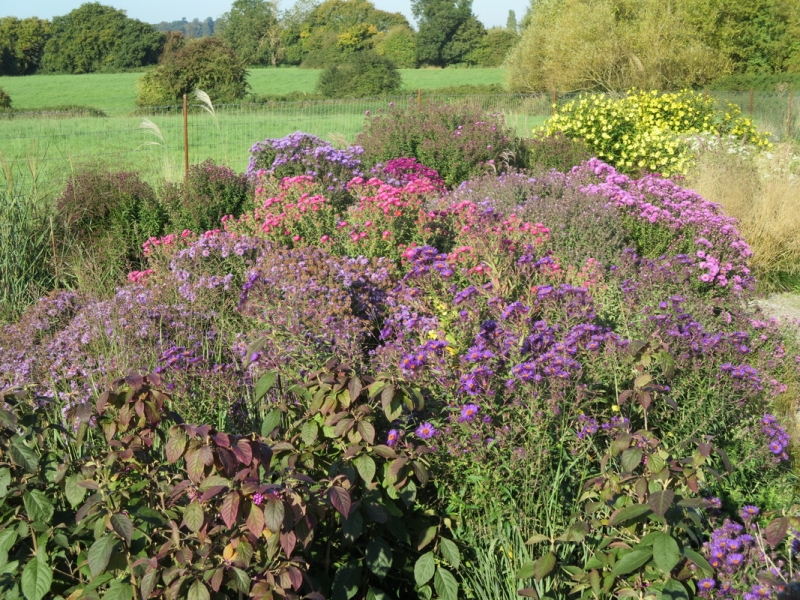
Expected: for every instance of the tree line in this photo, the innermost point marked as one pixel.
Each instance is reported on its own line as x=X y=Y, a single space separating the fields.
x=98 y=38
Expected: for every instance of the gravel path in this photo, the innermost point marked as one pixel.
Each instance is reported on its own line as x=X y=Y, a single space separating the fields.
x=785 y=307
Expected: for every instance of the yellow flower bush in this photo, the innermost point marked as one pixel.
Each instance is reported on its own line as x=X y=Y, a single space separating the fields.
x=648 y=130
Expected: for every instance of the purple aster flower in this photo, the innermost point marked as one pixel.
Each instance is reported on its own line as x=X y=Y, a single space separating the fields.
x=425 y=431
x=468 y=412
x=392 y=437
x=748 y=512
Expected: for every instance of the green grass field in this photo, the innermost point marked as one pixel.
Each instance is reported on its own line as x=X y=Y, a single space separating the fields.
x=116 y=93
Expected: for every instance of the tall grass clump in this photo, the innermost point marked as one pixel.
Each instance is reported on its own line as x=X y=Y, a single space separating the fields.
x=28 y=249
x=763 y=193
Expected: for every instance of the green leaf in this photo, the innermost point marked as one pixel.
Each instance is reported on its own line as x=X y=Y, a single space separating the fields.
x=543 y=566
x=374 y=594
x=445 y=584
x=526 y=570
x=660 y=501
x=119 y=590
x=123 y=526
x=631 y=458
x=379 y=556
x=265 y=383
x=273 y=515
x=7 y=538
x=194 y=516
x=424 y=568
x=100 y=553
x=632 y=561
x=239 y=580
x=37 y=577
x=38 y=506
x=75 y=493
x=309 y=432
x=426 y=537
x=270 y=422
x=665 y=552
x=346 y=580
x=674 y=590
x=199 y=591
x=24 y=456
x=149 y=581
x=776 y=531
x=5 y=481
x=366 y=467
x=629 y=513
x=699 y=560
x=450 y=552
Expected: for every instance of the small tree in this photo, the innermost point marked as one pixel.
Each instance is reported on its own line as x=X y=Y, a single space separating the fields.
x=363 y=75
x=206 y=63
x=5 y=100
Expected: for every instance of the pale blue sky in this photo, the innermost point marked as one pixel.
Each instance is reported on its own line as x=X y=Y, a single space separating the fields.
x=490 y=12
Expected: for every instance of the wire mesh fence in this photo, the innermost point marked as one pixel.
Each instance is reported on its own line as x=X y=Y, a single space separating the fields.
x=49 y=144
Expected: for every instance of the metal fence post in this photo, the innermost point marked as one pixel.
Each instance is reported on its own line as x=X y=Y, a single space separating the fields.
x=186 y=136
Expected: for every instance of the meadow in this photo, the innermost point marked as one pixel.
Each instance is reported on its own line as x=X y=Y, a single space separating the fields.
x=116 y=93
x=423 y=355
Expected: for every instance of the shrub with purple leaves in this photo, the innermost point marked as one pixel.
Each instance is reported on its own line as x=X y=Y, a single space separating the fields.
x=457 y=141
x=209 y=193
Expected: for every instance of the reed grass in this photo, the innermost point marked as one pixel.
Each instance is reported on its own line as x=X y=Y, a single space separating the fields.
x=763 y=193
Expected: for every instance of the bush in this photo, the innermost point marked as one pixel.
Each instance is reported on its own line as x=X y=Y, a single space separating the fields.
x=5 y=100
x=759 y=82
x=208 y=64
x=457 y=141
x=305 y=154
x=209 y=193
x=556 y=151
x=646 y=131
x=110 y=216
x=494 y=47
x=363 y=75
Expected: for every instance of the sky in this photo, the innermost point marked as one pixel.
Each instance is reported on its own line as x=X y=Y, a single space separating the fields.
x=490 y=12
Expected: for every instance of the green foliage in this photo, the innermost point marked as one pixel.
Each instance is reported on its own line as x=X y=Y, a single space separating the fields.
x=98 y=38
x=5 y=100
x=249 y=27
x=643 y=131
x=364 y=75
x=556 y=151
x=207 y=64
x=611 y=45
x=756 y=36
x=447 y=30
x=209 y=193
x=109 y=216
x=191 y=29
x=22 y=44
x=758 y=82
x=493 y=48
x=458 y=141
x=466 y=40
x=399 y=45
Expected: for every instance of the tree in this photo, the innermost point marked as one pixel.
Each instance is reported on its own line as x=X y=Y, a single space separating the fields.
x=757 y=36
x=493 y=48
x=611 y=45
x=22 y=44
x=248 y=25
x=100 y=38
x=399 y=45
x=439 y=20
x=511 y=22
x=336 y=29
x=466 y=39
x=363 y=75
x=208 y=64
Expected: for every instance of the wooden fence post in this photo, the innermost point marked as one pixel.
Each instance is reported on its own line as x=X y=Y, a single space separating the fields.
x=185 y=136
x=553 y=103
x=419 y=99
x=751 y=103
x=789 y=116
